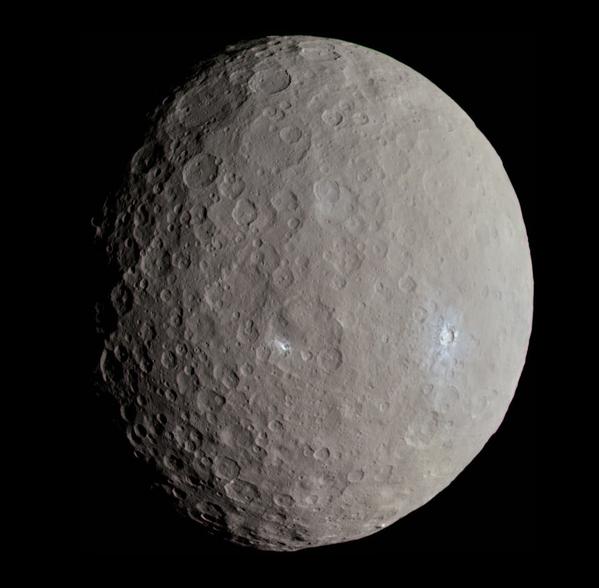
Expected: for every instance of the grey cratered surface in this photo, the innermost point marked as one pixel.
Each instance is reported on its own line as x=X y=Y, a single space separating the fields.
x=324 y=296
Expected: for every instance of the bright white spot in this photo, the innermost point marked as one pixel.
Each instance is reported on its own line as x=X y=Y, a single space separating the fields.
x=448 y=335
x=282 y=346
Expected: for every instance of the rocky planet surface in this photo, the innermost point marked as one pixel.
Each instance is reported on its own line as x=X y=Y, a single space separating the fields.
x=323 y=293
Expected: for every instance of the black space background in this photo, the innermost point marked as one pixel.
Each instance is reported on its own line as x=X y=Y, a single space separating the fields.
x=491 y=506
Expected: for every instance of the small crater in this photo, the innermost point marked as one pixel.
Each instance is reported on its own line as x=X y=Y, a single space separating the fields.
x=200 y=171
x=275 y=426
x=322 y=454
x=284 y=500
x=186 y=382
x=332 y=118
x=447 y=336
x=312 y=499
x=226 y=468
x=274 y=114
x=290 y=135
x=244 y=212
x=422 y=434
x=247 y=332
x=338 y=282
x=231 y=186
x=330 y=359
x=293 y=223
x=360 y=118
x=379 y=248
x=285 y=200
x=242 y=491
x=355 y=476
x=344 y=255
x=122 y=299
x=282 y=278
x=383 y=473
x=211 y=513
x=155 y=262
x=168 y=360
x=408 y=284
x=229 y=378
x=263 y=352
x=172 y=462
x=326 y=190
x=247 y=369
x=319 y=51
x=270 y=81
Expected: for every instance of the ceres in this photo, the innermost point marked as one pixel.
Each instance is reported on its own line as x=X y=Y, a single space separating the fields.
x=324 y=293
